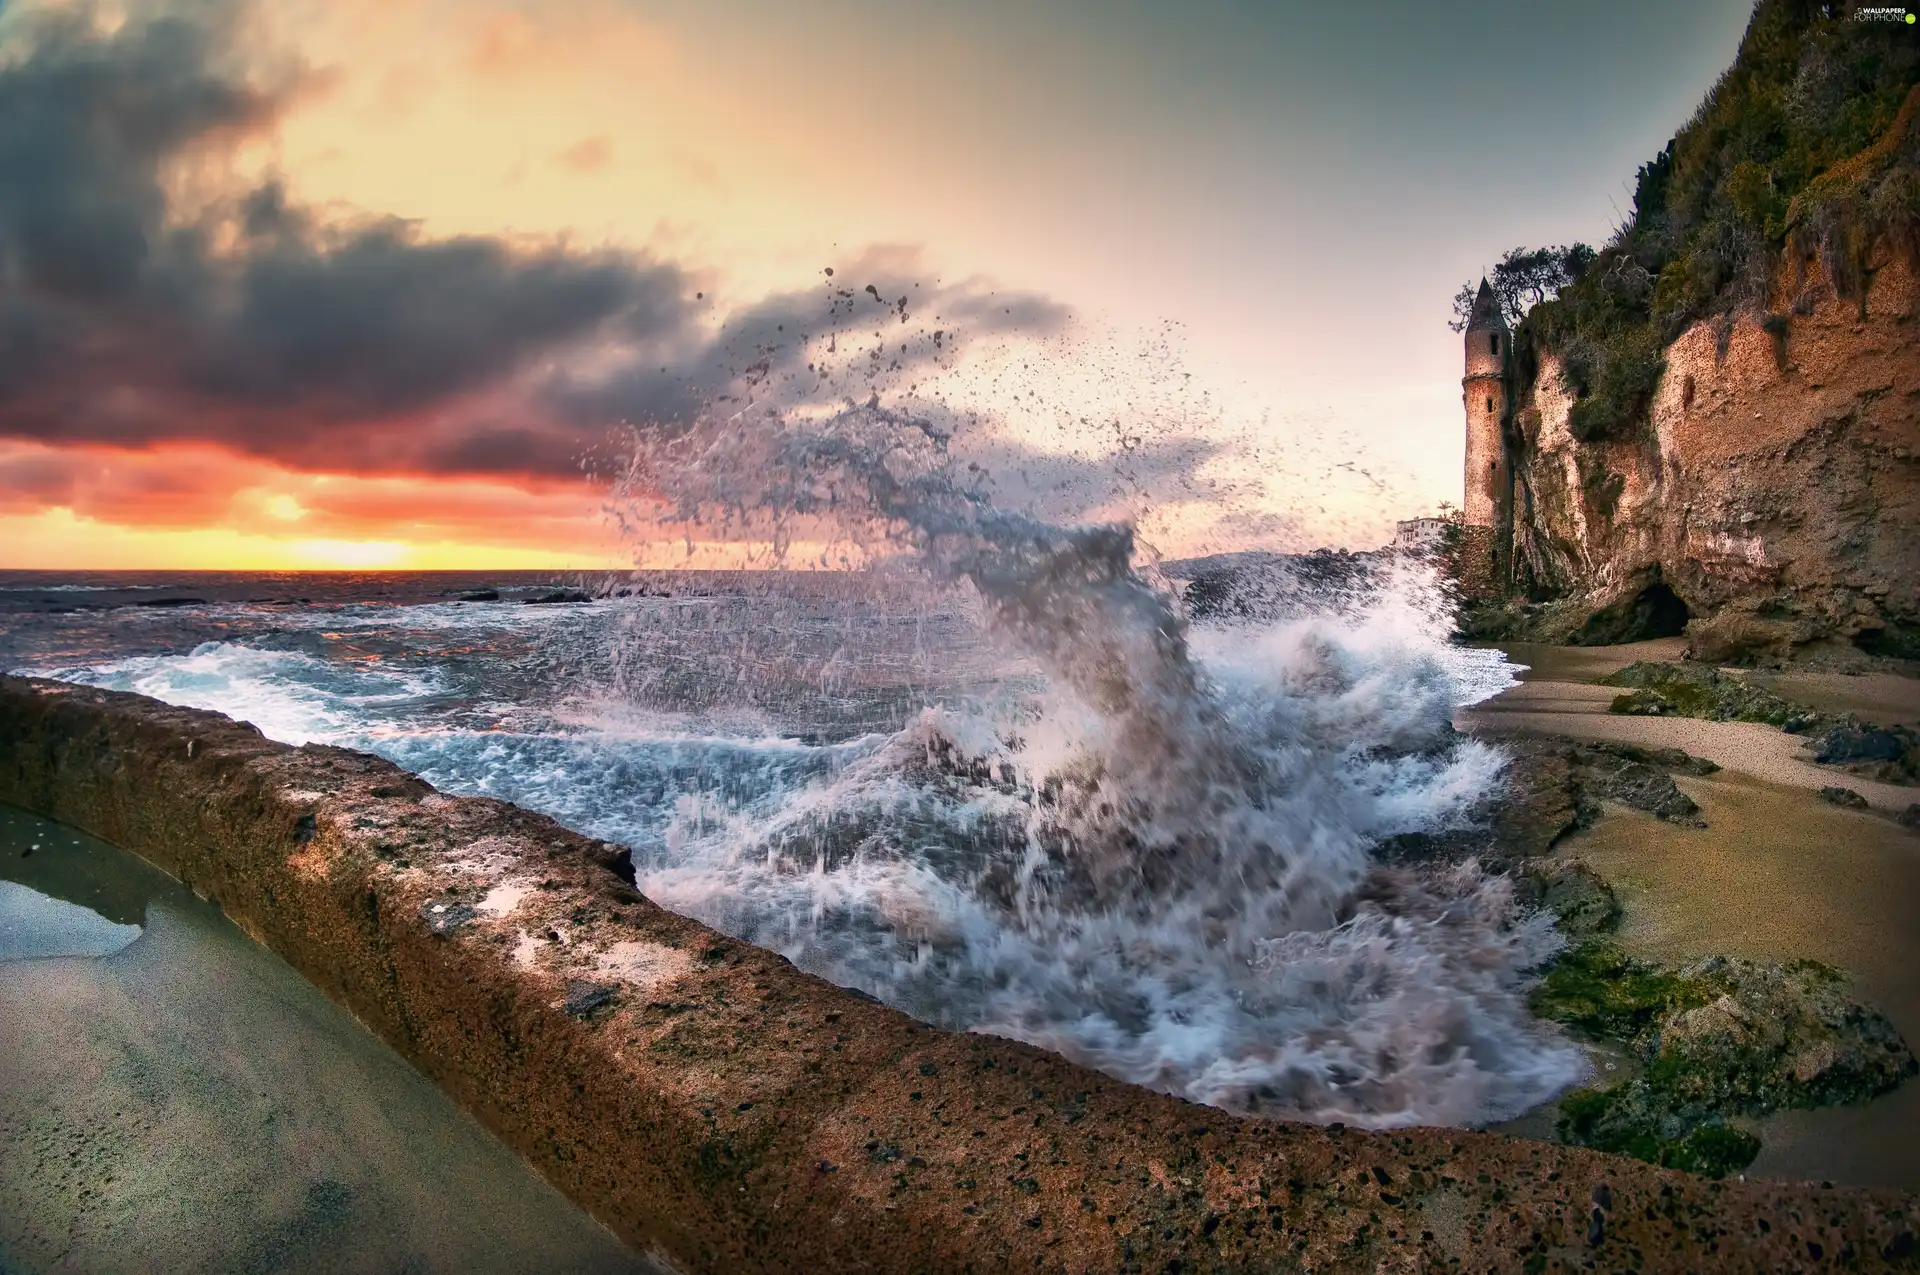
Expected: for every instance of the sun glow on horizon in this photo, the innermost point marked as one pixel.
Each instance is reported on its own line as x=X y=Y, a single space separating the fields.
x=57 y=540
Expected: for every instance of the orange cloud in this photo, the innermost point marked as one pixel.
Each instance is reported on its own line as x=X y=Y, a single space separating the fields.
x=199 y=487
x=588 y=156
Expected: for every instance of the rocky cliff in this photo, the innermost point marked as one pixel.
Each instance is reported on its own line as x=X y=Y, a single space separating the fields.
x=1772 y=498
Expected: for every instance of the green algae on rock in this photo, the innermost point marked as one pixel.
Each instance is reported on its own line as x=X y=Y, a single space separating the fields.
x=1601 y=992
x=1634 y=1118
x=1888 y=754
x=1583 y=905
x=1708 y=1042
x=1657 y=689
x=1779 y=1034
x=1717 y=1038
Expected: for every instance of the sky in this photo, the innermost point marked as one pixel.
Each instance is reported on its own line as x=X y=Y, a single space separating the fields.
x=381 y=283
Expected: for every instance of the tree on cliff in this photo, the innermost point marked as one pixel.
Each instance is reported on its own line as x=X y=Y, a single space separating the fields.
x=1523 y=279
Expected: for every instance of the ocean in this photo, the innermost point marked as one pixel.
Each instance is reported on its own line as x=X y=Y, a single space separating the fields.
x=1147 y=849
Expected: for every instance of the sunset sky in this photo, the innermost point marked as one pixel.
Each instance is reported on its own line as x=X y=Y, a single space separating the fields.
x=329 y=283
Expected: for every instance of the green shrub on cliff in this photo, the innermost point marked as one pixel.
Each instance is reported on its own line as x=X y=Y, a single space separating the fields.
x=1809 y=145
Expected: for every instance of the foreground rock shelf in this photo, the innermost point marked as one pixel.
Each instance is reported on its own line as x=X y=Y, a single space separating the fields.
x=724 y=1112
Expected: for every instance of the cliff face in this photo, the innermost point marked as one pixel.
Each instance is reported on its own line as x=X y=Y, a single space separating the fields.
x=1773 y=498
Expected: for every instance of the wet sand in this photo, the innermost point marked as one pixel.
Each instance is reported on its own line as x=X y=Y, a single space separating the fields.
x=1882 y=698
x=175 y=1097
x=1777 y=873
x=1587 y=663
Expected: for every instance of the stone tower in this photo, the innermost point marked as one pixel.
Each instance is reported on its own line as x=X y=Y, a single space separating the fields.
x=1488 y=505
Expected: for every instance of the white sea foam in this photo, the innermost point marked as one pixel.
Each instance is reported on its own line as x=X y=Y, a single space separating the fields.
x=1162 y=866
x=289 y=695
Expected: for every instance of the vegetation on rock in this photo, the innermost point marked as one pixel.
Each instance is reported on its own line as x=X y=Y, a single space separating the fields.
x=1890 y=754
x=1714 y=1040
x=1600 y=991
x=1632 y=1119
x=1582 y=903
x=1657 y=689
x=1808 y=146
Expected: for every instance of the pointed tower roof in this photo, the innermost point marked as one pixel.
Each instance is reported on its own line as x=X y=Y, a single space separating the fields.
x=1486 y=309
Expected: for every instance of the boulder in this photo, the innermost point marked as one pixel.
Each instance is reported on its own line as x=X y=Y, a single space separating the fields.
x=1740 y=638
x=1854 y=742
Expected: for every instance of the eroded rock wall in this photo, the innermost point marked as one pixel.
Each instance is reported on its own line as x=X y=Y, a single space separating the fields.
x=1775 y=489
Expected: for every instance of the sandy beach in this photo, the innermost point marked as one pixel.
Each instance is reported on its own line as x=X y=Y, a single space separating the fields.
x=1776 y=873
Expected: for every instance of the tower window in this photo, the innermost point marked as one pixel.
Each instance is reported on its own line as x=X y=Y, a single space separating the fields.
x=1493 y=343
x=1489 y=404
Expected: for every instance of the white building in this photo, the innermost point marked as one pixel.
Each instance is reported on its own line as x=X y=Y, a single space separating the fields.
x=1420 y=535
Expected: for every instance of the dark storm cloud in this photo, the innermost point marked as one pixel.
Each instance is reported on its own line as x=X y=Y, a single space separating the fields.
x=365 y=345
x=84 y=125
x=251 y=324
x=382 y=320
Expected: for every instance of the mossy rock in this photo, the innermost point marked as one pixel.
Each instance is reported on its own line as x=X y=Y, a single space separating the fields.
x=1718 y=1038
x=1583 y=905
x=1597 y=989
x=1636 y=1119
x=1775 y=1035
x=1695 y=690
